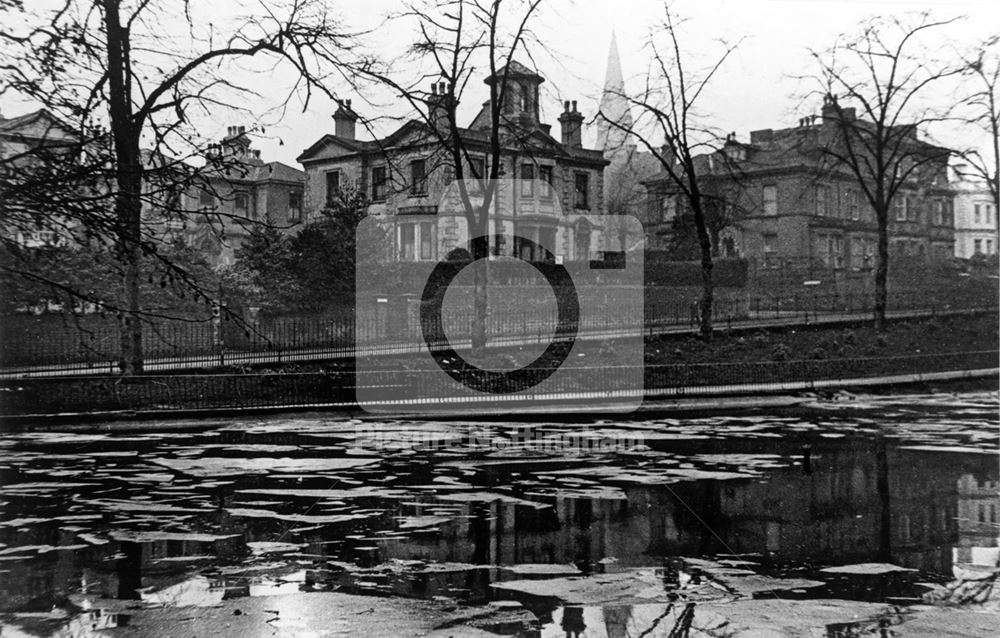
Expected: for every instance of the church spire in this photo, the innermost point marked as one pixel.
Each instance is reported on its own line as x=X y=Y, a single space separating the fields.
x=611 y=139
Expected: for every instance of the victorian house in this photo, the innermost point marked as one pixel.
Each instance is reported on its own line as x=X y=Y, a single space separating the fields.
x=25 y=142
x=976 y=228
x=214 y=207
x=551 y=190
x=780 y=200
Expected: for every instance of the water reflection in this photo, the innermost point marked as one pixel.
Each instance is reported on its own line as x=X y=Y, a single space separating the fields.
x=95 y=526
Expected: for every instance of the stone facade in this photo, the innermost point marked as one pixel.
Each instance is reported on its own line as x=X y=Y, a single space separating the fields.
x=975 y=220
x=221 y=206
x=549 y=190
x=26 y=139
x=785 y=204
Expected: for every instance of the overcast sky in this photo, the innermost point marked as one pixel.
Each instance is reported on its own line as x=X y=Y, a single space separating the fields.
x=756 y=89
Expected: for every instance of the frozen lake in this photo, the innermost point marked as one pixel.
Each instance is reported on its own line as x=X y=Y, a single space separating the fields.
x=602 y=528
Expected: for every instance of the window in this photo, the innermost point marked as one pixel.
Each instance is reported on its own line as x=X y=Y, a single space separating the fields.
x=294 y=206
x=911 y=209
x=477 y=167
x=990 y=215
x=853 y=209
x=771 y=200
x=900 y=205
x=977 y=214
x=525 y=95
x=837 y=252
x=418 y=177
x=669 y=210
x=822 y=200
x=407 y=242
x=770 y=250
x=527 y=180
x=857 y=253
x=378 y=184
x=938 y=212
x=547 y=244
x=823 y=248
x=241 y=202
x=989 y=247
x=977 y=246
x=332 y=187
x=417 y=241
x=173 y=199
x=581 y=236
x=581 y=199
x=545 y=174
x=206 y=199
x=426 y=240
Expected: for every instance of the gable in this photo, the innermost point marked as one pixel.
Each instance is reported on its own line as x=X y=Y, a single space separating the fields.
x=40 y=125
x=328 y=147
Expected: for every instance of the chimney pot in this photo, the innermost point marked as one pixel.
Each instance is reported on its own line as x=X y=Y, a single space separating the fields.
x=434 y=88
x=566 y=106
x=344 y=119
x=571 y=123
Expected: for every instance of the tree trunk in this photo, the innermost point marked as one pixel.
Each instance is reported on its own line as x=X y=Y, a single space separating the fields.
x=127 y=207
x=707 y=288
x=882 y=269
x=128 y=181
x=480 y=254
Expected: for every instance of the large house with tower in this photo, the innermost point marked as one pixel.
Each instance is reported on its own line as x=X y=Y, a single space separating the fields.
x=553 y=193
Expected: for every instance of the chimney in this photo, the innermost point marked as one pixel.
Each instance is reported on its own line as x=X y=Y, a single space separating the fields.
x=344 y=120
x=667 y=155
x=761 y=137
x=571 y=124
x=437 y=104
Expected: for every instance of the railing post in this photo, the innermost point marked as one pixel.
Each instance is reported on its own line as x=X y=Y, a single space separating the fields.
x=217 y=331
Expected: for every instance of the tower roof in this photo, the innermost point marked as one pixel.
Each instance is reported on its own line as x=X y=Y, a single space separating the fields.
x=517 y=70
x=614 y=105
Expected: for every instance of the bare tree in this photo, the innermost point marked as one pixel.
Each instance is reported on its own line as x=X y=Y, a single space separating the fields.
x=668 y=108
x=886 y=70
x=115 y=73
x=983 y=67
x=457 y=38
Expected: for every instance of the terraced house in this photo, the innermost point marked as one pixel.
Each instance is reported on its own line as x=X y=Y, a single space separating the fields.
x=557 y=200
x=781 y=201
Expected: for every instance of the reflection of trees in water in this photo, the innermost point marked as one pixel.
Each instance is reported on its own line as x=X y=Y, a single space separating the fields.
x=835 y=513
x=852 y=506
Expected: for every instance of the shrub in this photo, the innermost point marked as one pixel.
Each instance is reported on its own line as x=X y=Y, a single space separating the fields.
x=781 y=352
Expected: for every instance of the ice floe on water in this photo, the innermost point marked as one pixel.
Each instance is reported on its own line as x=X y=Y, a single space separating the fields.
x=230 y=466
x=727 y=512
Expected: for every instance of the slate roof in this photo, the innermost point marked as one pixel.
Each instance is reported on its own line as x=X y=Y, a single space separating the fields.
x=473 y=135
x=780 y=149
